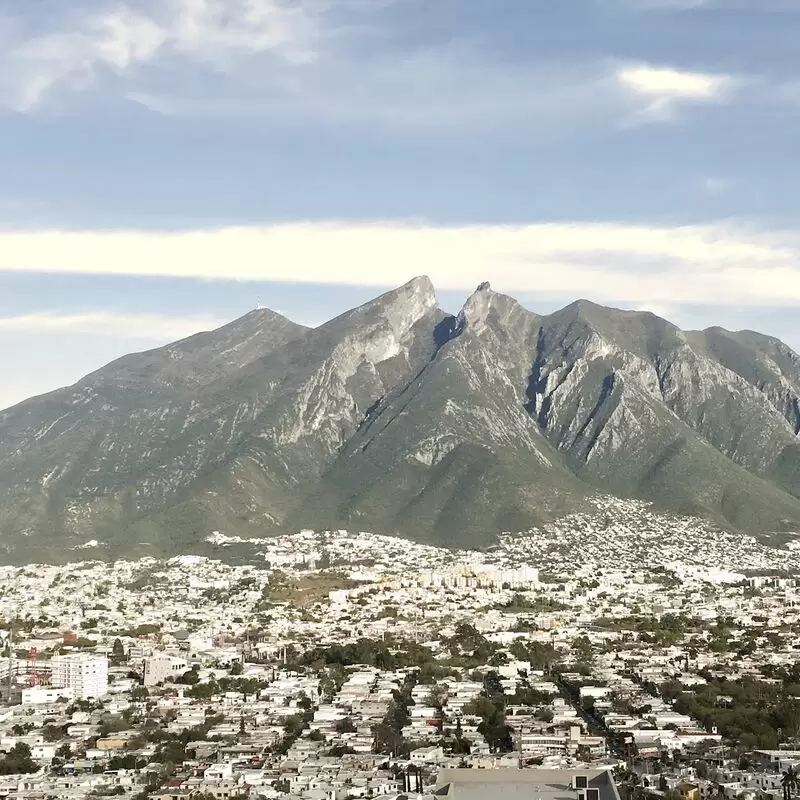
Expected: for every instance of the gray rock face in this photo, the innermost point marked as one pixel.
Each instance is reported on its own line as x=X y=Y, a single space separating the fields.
x=398 y=418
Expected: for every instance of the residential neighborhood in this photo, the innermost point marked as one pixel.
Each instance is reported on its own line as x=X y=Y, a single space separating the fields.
x=622 y=653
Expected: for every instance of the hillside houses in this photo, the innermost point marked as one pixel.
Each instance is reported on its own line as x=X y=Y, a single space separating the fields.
x=340 y=665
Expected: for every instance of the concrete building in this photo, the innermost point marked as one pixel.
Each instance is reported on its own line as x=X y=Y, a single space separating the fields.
x=515 y=784
x=161 y=667
x=45 y=695
x=85 y=674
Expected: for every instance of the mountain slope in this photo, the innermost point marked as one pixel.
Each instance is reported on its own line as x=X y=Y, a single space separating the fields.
x=641 y=408
x=454 y=454
x=399 y=418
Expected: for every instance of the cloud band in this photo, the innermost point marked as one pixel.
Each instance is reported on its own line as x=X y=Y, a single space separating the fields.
x=713 y=264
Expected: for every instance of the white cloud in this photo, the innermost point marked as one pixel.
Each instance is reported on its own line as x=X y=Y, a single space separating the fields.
x=129 y=326
x=663 y=81
x=452 y=86
x=663 y=88
x=663 y=311
x=329 y=61
x=712 y=264
x=115 y=40
x=120 y=37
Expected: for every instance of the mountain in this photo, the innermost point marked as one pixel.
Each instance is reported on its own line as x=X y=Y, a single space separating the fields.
x=398 y=418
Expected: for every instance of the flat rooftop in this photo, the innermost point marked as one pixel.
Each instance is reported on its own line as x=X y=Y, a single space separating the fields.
x=521 y=784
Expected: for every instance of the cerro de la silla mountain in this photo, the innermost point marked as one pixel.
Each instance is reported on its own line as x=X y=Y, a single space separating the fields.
x=399 y=418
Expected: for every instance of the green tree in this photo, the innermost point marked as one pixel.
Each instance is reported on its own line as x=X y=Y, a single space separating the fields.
x=18 y=761
x=64 y=751
x=437 y=696
x=139 y=693
x=118 y=655
x=344 y=726
x=52 y=733
x=582 y=650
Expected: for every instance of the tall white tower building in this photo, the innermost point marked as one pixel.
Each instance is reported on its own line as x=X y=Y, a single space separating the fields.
x=84 y=673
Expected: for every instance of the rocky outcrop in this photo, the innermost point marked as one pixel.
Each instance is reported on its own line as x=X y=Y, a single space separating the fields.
x=398 y=418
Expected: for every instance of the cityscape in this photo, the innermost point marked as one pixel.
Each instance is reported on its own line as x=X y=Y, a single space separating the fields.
x=399 y=400
x=314 y=668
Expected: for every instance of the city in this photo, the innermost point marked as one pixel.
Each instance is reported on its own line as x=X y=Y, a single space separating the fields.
x=399 y=400
x=320 y=668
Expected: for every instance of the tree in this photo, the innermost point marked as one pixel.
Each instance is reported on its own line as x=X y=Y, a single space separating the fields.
x=480 y=706
x=498 y=659
x=490 y=707
x=469 y=641
x=437 y=696
x=18 y=761
x=789 y=783
x=582 y=649
x=64 y=751
x=339 y=750
x=305 y=703
x=496 y=732
x=52 y=733
x=191 y=677
x=293 y=726
x=344 y=726
x=171 y=751
x=492 y=686
x=540 y=656
x=118 y=655
x=462 y=746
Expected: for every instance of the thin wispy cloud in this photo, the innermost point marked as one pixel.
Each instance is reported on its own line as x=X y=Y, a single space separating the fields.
x=120 y=37
x=658 y=5
x=215 y=118
x=137 y=326
x=45 y=349
x=711 y=264
x=334 y=62
x=717 y=186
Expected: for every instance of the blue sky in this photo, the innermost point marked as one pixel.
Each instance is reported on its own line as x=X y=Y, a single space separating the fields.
x=164 y=164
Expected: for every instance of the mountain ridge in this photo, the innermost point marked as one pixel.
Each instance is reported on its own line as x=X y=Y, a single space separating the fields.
x=400 y=418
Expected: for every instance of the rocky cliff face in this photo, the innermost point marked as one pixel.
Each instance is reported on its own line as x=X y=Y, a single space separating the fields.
x=398 y=418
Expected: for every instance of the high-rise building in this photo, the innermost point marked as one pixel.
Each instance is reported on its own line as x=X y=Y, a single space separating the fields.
x=85 y=674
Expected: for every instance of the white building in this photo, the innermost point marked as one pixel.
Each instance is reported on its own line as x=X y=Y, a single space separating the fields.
x=85 y=674
x=45 y=695
x=161 y=667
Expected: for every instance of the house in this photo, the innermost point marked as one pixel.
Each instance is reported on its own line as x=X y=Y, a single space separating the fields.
x=688 y=791
x=515 y=784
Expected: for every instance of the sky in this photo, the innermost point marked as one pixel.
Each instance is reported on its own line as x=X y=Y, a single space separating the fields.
x=165 y=165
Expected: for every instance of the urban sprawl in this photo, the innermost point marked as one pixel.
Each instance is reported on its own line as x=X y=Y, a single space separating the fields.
x=622 y=653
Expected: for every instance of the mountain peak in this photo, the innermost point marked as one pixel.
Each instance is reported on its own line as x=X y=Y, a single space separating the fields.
x=476 y=310
x=422 y=284
x=418 y=293
x=482 y=303
x=400 y=308
x=399 y=419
